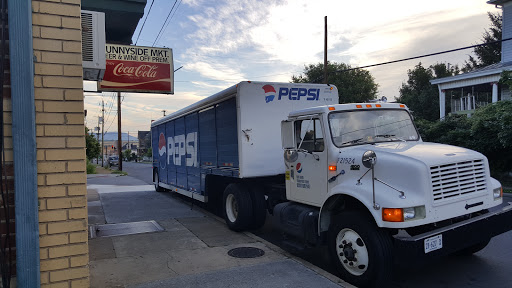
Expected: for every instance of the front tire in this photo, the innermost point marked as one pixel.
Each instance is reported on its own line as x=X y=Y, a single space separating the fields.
x=237 y=207
x=361 y=251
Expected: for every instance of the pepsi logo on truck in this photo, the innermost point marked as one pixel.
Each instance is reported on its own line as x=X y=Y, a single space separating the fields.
x=293 y=93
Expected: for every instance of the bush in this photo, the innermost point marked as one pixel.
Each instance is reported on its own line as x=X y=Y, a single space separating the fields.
x=487 y=131
x=91 y=168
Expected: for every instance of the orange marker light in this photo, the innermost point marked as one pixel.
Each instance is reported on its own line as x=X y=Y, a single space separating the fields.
x=402 y=106
x=332 y=88
x=332 y=167
x=359 y=106
x=392 y=215
x=368 y=106
x=332 y=108
x=378 y=105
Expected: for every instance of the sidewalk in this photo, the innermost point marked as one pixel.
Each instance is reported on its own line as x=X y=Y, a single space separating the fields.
x=191 y=251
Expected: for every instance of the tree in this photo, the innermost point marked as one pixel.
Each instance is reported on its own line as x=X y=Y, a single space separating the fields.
x=127 y=154
x=149 y=153
x=421 y=96
x=92 y=145
x=487 y=54
x=353 y=86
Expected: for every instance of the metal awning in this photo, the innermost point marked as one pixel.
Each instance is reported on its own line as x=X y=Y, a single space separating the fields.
x=121 y=17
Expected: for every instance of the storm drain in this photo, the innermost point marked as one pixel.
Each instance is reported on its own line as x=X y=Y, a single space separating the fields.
x=246 y=252
x=120 y=229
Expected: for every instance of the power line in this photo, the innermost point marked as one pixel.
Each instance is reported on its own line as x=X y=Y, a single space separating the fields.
x=416 y=57
x=147 y=16
x=163 y=25
x=175 y=11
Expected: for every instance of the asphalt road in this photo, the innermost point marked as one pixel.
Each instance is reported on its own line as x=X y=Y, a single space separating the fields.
x=490 y=267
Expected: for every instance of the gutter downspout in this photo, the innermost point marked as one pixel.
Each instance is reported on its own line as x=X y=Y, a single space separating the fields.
x=24 y=143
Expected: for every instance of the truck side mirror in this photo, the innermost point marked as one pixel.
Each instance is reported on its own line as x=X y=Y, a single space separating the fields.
x=287 y=137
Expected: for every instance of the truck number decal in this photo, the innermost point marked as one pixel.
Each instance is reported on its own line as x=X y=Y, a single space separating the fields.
x=179 y=147
x=347 y=160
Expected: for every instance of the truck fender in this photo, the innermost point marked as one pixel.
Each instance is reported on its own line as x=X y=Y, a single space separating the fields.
x=335 y=204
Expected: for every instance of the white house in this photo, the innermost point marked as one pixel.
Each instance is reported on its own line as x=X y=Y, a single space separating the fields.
x=480 y=87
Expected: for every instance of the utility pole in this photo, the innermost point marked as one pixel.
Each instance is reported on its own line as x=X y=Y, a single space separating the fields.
x=102 y=131
x=119 y=141
x=325 y=53
x=98 y=138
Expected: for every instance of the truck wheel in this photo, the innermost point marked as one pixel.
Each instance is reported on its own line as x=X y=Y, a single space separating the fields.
x=156 y=180
x=473 y=249
x=237 y=207
x=259 y=207
x=361 y=251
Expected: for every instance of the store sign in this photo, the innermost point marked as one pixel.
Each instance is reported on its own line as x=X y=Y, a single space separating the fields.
x=138 y=69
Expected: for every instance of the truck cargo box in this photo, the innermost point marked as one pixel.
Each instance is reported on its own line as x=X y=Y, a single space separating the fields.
x=234 y=133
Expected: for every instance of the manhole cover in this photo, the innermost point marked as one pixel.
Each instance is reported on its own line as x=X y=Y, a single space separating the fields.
x=246 y=252
x=120 y=229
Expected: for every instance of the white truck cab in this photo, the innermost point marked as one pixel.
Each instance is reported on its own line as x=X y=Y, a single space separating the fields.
x=378 y=186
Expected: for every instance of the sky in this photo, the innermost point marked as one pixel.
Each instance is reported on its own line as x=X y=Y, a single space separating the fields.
x=220 y=43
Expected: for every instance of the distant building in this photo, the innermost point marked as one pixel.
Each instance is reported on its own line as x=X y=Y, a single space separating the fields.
x=480 y=87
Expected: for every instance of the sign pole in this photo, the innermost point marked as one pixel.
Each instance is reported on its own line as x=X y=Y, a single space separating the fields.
x=325 y=53
x=102 y=131
x=119 y=142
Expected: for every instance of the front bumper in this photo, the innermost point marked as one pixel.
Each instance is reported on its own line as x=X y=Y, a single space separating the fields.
x=456 y=236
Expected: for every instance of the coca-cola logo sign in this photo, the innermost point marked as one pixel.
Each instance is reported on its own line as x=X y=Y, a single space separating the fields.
x=138 y=69
x=144 y=70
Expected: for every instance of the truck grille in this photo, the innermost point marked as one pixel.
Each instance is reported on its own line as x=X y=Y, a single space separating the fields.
x=451 y=181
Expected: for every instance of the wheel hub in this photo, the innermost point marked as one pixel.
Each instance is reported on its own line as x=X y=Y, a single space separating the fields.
x=349 y=252
x=352 y=252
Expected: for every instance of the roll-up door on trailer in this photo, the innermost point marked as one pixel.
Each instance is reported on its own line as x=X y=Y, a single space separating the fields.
x=162 y=154
x=171 y=167
x=227 y=140
x=191 y=153
x=179 y=152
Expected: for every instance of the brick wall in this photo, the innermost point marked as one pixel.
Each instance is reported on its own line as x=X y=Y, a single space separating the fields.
x=60 y=143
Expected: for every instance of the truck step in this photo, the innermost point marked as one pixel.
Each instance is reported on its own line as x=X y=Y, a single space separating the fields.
x=293 y=246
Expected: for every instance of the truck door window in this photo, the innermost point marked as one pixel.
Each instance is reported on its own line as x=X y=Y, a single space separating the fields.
x=309 y=132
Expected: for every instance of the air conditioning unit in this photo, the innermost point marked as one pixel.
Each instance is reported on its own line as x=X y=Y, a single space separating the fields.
x=93 y=45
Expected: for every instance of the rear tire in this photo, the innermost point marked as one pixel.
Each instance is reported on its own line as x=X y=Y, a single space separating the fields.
x=361 y=251
x=259 y=207
x=156 y=180
x=237 y=207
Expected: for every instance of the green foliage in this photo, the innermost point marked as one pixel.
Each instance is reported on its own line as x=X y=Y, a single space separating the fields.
x=92 y=145
x=127 y=154
x=487 y=131
x=149 y=153
x=421 y=96
x=353 y=86
x=488 y=54
x=91 y=168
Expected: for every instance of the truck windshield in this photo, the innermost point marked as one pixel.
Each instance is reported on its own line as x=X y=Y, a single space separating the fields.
x=371 y=126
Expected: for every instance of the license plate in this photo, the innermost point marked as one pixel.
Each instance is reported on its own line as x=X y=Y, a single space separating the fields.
x=433 y=243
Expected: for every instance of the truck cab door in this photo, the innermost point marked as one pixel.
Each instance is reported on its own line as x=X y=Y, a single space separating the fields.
x=307 y=175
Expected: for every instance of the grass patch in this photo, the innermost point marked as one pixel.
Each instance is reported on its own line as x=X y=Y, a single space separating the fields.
x=91 y=168
x=119 y=172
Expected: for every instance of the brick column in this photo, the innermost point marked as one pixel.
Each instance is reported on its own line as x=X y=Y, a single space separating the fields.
x=60 y=143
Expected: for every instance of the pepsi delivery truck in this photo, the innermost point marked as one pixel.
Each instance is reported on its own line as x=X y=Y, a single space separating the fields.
x=355 y=177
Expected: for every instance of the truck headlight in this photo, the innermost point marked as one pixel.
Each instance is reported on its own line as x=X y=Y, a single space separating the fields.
x=497 y=193
x=403 y=214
